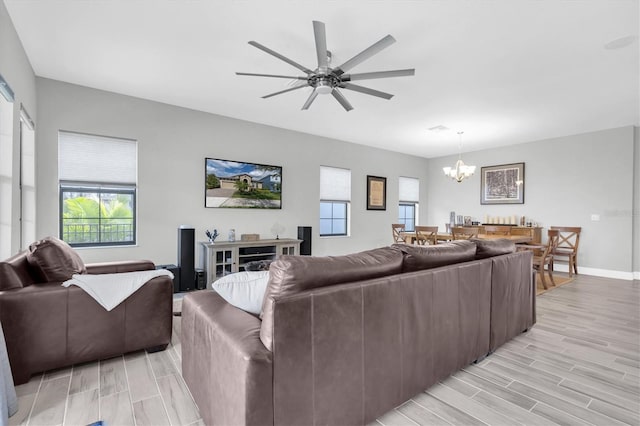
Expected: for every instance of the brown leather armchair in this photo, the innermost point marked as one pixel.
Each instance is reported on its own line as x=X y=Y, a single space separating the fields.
x=47 y=326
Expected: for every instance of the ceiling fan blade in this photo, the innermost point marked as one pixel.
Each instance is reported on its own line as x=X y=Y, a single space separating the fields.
x=312 y=97
x=271 y=75
x=321 y=43
x=300 y=86
x=340 y=98
x=279 y=56
x=378 y=74
x=377 y=47
x=366 y=90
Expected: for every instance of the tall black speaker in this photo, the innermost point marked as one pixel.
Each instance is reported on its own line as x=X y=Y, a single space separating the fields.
x=304 y=234
x=186 y=258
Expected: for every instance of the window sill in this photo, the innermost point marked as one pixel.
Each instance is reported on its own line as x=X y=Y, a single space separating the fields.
x=104 y=247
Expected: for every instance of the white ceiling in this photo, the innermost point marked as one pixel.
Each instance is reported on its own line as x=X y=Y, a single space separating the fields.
x=502 y=71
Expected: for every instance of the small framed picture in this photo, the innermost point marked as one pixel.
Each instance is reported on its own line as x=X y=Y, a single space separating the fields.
x=503 y=184
x=376 y=193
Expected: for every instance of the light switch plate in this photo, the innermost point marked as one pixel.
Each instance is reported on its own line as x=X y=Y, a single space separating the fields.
x=595 y=218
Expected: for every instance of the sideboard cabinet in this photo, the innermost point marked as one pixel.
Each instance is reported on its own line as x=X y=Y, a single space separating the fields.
x=226 y=257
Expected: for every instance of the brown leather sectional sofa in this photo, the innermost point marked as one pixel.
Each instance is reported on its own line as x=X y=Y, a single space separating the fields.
x=47 y=326
x=344 y=339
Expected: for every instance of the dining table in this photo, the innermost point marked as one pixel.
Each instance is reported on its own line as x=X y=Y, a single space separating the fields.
x=409 y=237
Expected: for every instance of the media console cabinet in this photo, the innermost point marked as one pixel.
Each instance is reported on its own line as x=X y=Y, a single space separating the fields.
x=226 y=257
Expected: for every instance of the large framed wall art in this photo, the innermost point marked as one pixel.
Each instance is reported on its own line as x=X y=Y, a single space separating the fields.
x=234 y=184
x=503 y=184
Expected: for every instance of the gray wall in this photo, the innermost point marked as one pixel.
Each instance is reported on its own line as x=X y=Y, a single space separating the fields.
x=17 y=71
x=566 y=180
x=636 y=205
x=172 y=145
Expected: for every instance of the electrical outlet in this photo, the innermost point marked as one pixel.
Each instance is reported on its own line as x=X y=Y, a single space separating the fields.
x=595 y=218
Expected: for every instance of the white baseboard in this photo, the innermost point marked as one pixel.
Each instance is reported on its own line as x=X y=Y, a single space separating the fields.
x=596 y=272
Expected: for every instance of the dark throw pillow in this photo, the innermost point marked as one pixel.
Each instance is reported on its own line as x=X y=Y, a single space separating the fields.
x=417 y=258
x=491 y=248
x=55 y=260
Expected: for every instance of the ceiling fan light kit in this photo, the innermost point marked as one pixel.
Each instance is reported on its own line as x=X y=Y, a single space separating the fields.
x=326 y=79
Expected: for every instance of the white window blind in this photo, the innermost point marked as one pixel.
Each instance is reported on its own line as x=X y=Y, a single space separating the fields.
x=96 y=159
x=409 y=189
x=335 y=184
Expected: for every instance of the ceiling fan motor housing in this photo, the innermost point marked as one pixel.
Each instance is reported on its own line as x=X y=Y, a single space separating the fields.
x=323 y=83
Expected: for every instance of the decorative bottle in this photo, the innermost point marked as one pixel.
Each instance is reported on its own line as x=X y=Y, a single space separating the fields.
x=232 y=234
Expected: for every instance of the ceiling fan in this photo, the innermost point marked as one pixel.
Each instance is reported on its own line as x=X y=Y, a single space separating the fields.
x=326 y=79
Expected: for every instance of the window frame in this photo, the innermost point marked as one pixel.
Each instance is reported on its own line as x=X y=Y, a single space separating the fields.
x=346 y=218
x=414 y=205
x=99 y=188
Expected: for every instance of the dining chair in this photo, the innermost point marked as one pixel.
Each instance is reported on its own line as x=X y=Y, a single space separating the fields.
x=546 y=258
x=426 y=235
x=462 y=233
x=568 y=239
x=497 y=230
x=397 y=229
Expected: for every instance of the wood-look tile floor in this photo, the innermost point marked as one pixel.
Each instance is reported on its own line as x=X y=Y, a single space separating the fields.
x=136 y=389
x=579 y=365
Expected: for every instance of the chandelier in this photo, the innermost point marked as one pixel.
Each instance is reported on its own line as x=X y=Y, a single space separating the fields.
x=460 y=171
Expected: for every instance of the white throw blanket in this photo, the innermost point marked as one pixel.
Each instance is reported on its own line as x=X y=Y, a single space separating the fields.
x=110 y=290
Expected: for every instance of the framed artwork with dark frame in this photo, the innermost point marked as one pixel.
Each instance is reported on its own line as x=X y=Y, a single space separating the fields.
x=376 y=193
x=503 y=184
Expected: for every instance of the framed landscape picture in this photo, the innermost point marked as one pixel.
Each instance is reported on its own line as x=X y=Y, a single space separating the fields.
x=376 y=193
x=233 y=184
x=503 y=184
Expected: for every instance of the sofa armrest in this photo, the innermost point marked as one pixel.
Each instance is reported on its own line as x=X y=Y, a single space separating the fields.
x=117 y=267
x=227 y=368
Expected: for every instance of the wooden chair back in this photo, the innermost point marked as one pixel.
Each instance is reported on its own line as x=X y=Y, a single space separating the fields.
x=569 y=237
x=497 y=230
x=463 y=233
x=552 y=243
x=397 y=228
x=426 y=235
x=546 y=259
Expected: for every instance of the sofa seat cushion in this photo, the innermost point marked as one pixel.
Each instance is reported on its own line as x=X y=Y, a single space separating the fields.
x=55 y=260
x=293 y=274
x=491 y=248
x=417 y=258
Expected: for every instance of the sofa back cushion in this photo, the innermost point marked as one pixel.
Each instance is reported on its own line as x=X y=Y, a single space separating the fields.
x=417 y=258
x=55 y=260
x=293 y=274
x=15 y=272
x=9 y=278
x=491 y=248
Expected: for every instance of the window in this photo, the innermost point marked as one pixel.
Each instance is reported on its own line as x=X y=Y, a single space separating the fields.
x=97 y=177
x=409 y=195
x=27 y=180
x=6 y=167
x=333 y=218
x=407 y=215
x=335 y=197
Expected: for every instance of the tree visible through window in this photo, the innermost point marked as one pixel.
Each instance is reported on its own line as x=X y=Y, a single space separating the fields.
x=97 y=216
